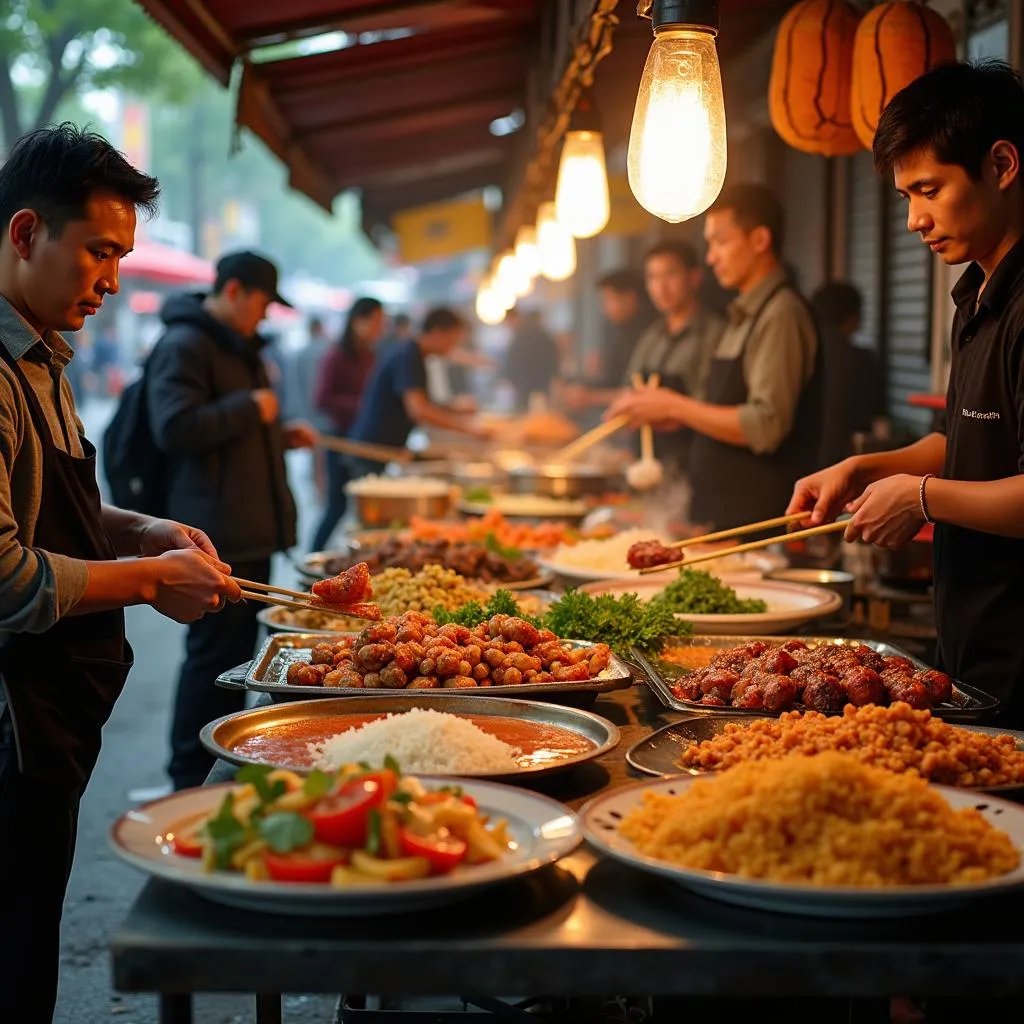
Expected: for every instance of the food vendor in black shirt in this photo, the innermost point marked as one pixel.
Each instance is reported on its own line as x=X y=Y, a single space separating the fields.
x=952 y=141
x=395 y=399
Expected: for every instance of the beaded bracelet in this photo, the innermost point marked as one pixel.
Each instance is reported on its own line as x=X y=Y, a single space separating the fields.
x=921 y=498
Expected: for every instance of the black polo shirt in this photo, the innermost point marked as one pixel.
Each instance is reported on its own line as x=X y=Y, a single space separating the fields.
x=979 y=577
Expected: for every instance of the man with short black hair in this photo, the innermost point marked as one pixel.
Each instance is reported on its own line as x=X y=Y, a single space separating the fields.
x=68 y=203
x=396 y=398
x=756 y=429
x=952 y=141
x=214 y=413
x=629 y=313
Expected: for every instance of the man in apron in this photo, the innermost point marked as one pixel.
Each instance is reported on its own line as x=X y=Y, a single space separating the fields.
x=68 y=205
x=757 y=429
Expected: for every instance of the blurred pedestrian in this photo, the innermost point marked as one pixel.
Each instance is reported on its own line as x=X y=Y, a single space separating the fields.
x=849 y=372
x=533 y=358
x=214 y=413
x=305 y=371
x=344 y=373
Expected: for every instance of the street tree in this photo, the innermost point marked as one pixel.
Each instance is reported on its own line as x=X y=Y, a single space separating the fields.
x=51 y=50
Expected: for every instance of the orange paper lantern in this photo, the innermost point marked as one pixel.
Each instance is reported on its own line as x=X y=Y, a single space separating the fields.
x=895 y=43
x=809 y=90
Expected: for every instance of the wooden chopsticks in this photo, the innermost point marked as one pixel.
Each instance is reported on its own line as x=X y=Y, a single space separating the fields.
x=589 y=439
x=363 y=450
x=604 y=430
x=753 y=545
x=646 y=431
x=737 y=531
x=297 y=600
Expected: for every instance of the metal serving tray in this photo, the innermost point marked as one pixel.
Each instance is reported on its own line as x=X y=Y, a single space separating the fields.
x=268 y=673
x=968 y=703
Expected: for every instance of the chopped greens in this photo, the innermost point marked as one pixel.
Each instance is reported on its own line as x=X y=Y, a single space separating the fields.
x=478 y=495
x=285 y=831
x=317 y=784
x=226 y=832
x=473 y=613
x=699 y=593
x=258 y=775
x=620 y=622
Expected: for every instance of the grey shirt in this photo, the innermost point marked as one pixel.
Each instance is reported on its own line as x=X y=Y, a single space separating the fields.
x=682 y=357
x=778 y=360
x=36 y=587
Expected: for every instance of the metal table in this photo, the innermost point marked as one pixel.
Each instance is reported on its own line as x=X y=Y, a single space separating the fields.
x=583 y=927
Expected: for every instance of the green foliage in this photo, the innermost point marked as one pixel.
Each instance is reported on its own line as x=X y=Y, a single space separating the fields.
x=620 y=622
x=72 y=46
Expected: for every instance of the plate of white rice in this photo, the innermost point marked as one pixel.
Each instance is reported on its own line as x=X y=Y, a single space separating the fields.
x=455 y=736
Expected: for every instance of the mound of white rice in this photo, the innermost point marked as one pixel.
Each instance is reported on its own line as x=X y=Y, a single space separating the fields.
x=421 y=741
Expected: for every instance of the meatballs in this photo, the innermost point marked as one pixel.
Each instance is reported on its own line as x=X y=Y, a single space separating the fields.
x=824 y=676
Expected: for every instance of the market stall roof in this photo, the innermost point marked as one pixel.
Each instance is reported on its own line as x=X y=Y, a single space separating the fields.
x=403 y=108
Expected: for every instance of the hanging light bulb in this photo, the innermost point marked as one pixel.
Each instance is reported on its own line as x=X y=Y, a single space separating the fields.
x=489 y=307
x=581 y=194
x=556 y=247
x=527 y=257
x=677 y=146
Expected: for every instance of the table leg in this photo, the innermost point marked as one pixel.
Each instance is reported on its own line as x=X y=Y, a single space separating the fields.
x=268 y=1008
x=175 y=1008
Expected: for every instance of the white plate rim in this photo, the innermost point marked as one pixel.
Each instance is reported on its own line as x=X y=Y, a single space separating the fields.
x=165 y=866
x=605 y=576
x=781 y=892
x=826 y=602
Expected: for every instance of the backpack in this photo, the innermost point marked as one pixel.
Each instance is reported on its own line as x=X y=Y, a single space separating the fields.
x=134 y=465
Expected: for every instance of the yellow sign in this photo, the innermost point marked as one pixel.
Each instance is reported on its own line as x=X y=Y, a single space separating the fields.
x=628 y=217
x=442 y=229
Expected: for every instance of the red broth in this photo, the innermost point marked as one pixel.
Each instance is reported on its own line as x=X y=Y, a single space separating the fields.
x=540 y=743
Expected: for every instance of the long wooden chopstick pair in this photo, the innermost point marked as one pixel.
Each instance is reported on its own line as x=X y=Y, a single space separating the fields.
x=602 y=431
x=739 y=549
x=363 y=450
x=646 y=431
x=294 y=599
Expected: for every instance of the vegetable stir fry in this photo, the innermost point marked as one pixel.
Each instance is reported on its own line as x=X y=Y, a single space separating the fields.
x=358 y=827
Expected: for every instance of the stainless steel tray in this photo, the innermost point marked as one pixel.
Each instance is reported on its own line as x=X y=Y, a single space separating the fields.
x=968 y=703
x=658 y=753
x=268 y=671
x=221 y=737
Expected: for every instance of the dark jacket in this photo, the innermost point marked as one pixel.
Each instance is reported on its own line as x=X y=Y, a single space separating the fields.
x=226 y=469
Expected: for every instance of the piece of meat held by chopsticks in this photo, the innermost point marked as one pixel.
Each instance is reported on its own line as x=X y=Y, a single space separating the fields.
x=348 y=593
x=646 y=554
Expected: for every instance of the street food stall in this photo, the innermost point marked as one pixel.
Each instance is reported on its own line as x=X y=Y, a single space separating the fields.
x=526 y=729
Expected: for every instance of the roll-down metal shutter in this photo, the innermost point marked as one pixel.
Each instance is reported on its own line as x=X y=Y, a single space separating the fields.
x=906 y=318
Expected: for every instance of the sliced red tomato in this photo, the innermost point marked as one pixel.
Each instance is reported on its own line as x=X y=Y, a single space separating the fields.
x=443 y=850
x=312 y=864
x=340 y=818
x=186 y=843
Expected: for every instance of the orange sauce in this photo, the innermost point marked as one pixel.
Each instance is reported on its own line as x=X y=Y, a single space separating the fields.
x=539 y=743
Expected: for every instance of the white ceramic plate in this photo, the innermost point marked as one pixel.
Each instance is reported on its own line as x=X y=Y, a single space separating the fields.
x=542 y=829
x=526 y=506
x=748 y=566
x=602 y=815
x=789 y=604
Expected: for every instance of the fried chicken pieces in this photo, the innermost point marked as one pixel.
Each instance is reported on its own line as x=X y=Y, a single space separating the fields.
x=348 y=593
x=412 y=652
x=823 y=678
